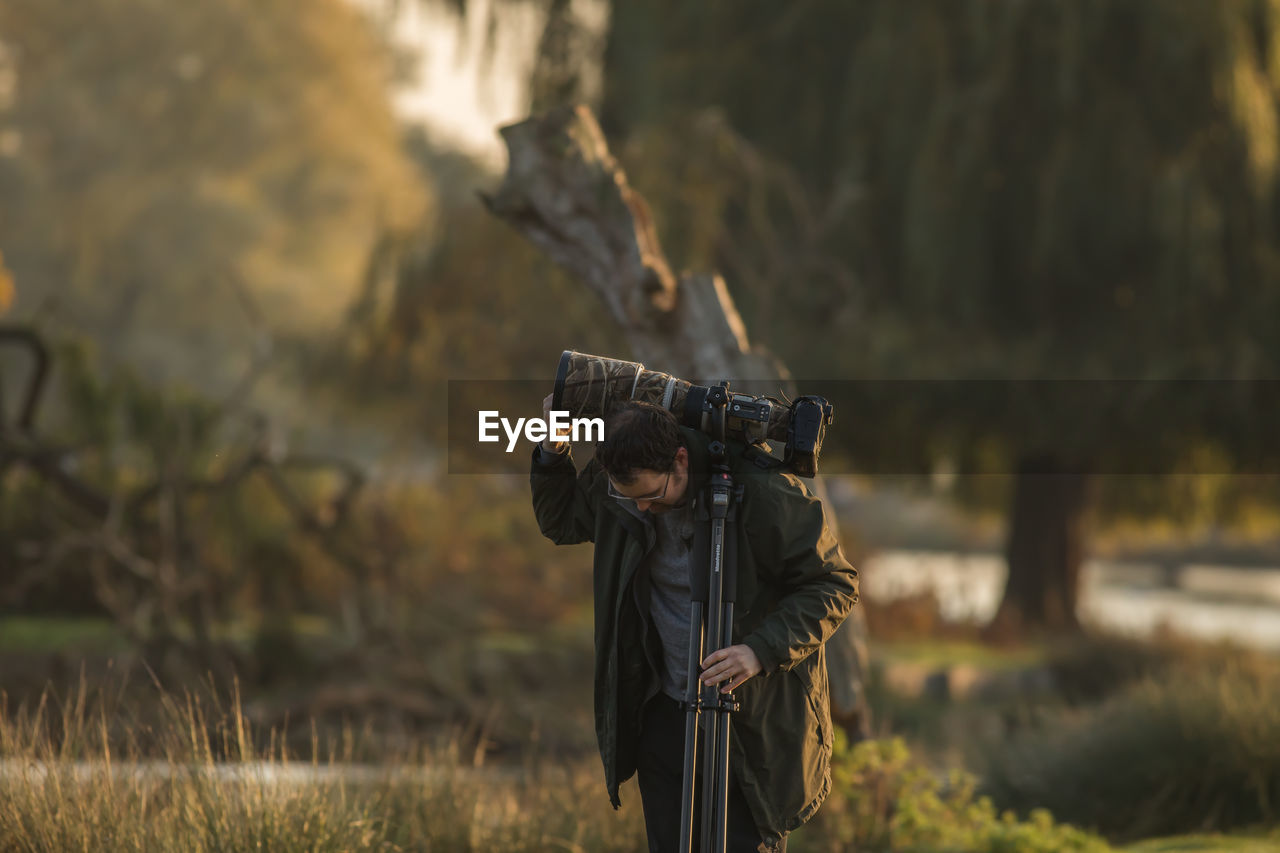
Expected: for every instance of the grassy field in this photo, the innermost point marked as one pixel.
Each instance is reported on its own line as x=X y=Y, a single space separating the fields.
x=97 y=768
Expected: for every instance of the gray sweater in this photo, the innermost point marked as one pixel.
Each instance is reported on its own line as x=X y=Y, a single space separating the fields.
x=669 y=604
x=670 y=537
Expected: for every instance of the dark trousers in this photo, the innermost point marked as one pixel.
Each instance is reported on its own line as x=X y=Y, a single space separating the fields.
x=660 y=772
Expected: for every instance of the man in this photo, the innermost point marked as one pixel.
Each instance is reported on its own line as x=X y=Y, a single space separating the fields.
x=635 y=501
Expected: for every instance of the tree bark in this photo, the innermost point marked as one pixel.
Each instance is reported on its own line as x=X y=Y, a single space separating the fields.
x=564 y=191
x=1044 y=550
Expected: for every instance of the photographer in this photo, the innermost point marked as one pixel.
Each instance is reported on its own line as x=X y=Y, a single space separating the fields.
x=635 y=501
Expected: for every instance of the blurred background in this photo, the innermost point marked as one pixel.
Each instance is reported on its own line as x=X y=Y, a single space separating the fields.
x=243 y=254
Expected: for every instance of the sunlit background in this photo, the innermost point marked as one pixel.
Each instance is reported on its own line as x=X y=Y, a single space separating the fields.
x=243 y=252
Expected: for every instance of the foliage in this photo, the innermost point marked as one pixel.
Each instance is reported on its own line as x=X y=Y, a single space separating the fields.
x=884 y=799
x=170 y=512
x=58 y=634
x=1188 y=751
x=960 y=190
x=267 y=529
x=210 y=544
x=182 y=179
x=1018 y=169
x=995 y=191
x=1098 y=665
x=471 y=299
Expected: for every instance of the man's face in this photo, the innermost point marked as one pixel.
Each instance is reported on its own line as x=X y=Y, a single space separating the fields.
x=658 y=491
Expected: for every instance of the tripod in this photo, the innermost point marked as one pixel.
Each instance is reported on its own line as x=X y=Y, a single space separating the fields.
x=710 y=629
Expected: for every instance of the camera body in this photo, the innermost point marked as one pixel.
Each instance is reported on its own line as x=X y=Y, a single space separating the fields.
x=591 y=385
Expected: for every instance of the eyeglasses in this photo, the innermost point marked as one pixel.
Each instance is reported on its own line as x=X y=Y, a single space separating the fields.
x=615 y=494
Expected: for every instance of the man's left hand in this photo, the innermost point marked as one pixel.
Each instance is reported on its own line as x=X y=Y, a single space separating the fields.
x=732 y=666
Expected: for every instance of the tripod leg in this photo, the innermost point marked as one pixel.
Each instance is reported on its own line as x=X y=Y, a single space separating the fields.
x=713 y=595
x=709 y=792
x=691 y=728
x=712 y=816
x=718 y=750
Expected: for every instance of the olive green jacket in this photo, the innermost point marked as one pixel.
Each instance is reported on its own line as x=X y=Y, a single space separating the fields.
x=794 y=589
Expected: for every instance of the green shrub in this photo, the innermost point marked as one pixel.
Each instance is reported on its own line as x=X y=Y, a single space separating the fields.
x=1097 y=665
x=883 y=799
x=1193 y=750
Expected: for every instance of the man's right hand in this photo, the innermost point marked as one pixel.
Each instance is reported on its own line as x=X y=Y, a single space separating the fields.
x=549 y=446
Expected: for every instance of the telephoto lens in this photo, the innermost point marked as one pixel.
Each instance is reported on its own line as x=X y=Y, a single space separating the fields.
x=593 y=386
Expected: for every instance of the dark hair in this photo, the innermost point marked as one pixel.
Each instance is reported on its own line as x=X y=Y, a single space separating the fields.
x=639 y=436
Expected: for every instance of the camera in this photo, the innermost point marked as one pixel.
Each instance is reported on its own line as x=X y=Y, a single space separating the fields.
x=593 y=386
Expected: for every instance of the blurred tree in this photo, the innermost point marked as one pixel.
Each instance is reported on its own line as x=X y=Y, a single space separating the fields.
x=1072 y=189
x=468 y=298
x=136 y=506
x=153 y=153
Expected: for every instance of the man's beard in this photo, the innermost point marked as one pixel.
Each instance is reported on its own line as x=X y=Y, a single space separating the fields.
x=659 y=509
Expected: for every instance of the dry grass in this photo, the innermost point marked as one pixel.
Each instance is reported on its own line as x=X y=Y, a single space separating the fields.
x=73 y=777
